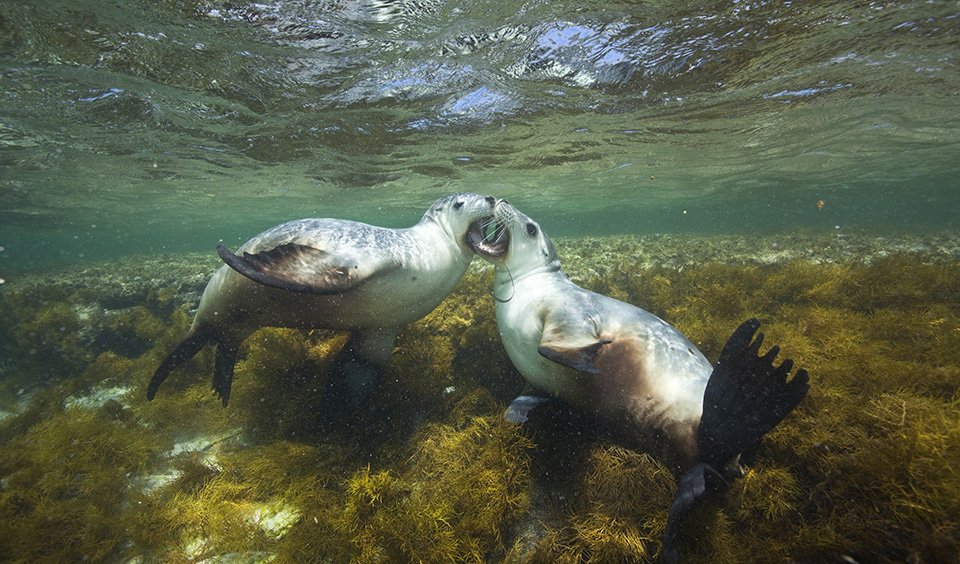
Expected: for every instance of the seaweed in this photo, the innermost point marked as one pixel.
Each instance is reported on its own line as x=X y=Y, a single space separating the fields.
x=129 y=332
x=65 y=486
x=462 y=491
x=48 y=340
x=865 y=469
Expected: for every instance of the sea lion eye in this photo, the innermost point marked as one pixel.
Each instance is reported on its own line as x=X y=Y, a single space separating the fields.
x=531 y=229
x=457 y=205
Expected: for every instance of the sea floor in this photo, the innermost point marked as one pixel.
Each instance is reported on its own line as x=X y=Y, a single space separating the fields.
x=866 y=469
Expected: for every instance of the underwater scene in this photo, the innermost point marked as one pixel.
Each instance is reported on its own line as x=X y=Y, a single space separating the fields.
x=412 y=377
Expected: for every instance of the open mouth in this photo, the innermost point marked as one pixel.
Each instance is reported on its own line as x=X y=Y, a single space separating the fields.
x=488 y=236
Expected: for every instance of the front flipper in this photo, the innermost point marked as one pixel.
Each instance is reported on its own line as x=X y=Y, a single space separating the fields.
x=354 y=378
x=352 y=382
x=570 y=337
x=223 y=369
x=578 y=358
x=304 y=269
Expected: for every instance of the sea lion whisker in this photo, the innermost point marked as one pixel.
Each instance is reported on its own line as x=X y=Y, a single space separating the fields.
x=485 y=232
x=491 y=230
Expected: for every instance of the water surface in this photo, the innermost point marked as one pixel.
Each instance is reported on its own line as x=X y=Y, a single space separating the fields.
x=166 y=126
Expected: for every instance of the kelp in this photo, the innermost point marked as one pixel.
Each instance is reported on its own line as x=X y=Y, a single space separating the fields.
x=865 y=469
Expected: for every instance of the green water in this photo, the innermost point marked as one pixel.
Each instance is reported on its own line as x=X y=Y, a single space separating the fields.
x=147 y=127
x=795 y=162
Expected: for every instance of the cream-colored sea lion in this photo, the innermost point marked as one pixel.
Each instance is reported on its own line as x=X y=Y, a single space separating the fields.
x=333 y=274
x=629 y=367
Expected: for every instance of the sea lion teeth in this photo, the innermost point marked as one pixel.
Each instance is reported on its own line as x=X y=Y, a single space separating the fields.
x=488 y=236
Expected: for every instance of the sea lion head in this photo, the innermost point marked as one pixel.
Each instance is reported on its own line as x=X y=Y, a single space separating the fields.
x=513 y=241
x=459 y=213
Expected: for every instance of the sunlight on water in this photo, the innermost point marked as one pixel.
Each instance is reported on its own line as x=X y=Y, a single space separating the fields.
x=170 y=127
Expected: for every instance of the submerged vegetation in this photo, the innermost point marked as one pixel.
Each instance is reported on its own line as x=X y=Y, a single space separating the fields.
x=867 y=468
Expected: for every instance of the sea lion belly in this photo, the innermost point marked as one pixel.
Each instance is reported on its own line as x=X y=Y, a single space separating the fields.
x=235 y=303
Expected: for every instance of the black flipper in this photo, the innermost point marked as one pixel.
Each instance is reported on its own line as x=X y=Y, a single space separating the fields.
x=693 y=487
x=746 y=396
x=223 y=369
x=580 y=358
x=351 y=382
x=300 y=268
x=184 y=351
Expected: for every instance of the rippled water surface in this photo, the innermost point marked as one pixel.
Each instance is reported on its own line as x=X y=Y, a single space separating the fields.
x=164 y=126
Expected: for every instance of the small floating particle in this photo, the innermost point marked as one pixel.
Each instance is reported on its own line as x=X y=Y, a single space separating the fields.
x=2 y=281
x=820 y=204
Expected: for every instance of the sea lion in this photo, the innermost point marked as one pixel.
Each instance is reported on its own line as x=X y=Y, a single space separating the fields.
x=630 y=368
x=333 y=274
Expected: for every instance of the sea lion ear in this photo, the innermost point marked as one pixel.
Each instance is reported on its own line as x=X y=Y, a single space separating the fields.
x=578 y=358
x=298 y=268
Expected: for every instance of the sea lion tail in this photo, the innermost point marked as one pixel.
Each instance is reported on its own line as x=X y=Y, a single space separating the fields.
x=189 y=346
x=746 y=396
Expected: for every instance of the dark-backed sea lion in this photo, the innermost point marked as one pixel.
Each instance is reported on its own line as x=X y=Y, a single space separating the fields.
x=629 y=367
x=332 y=274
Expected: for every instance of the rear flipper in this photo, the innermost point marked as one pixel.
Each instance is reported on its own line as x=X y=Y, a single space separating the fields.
x=223 y=369
x=746 y=396
x=187 y=349
x=184 y=351
x=351 y=383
